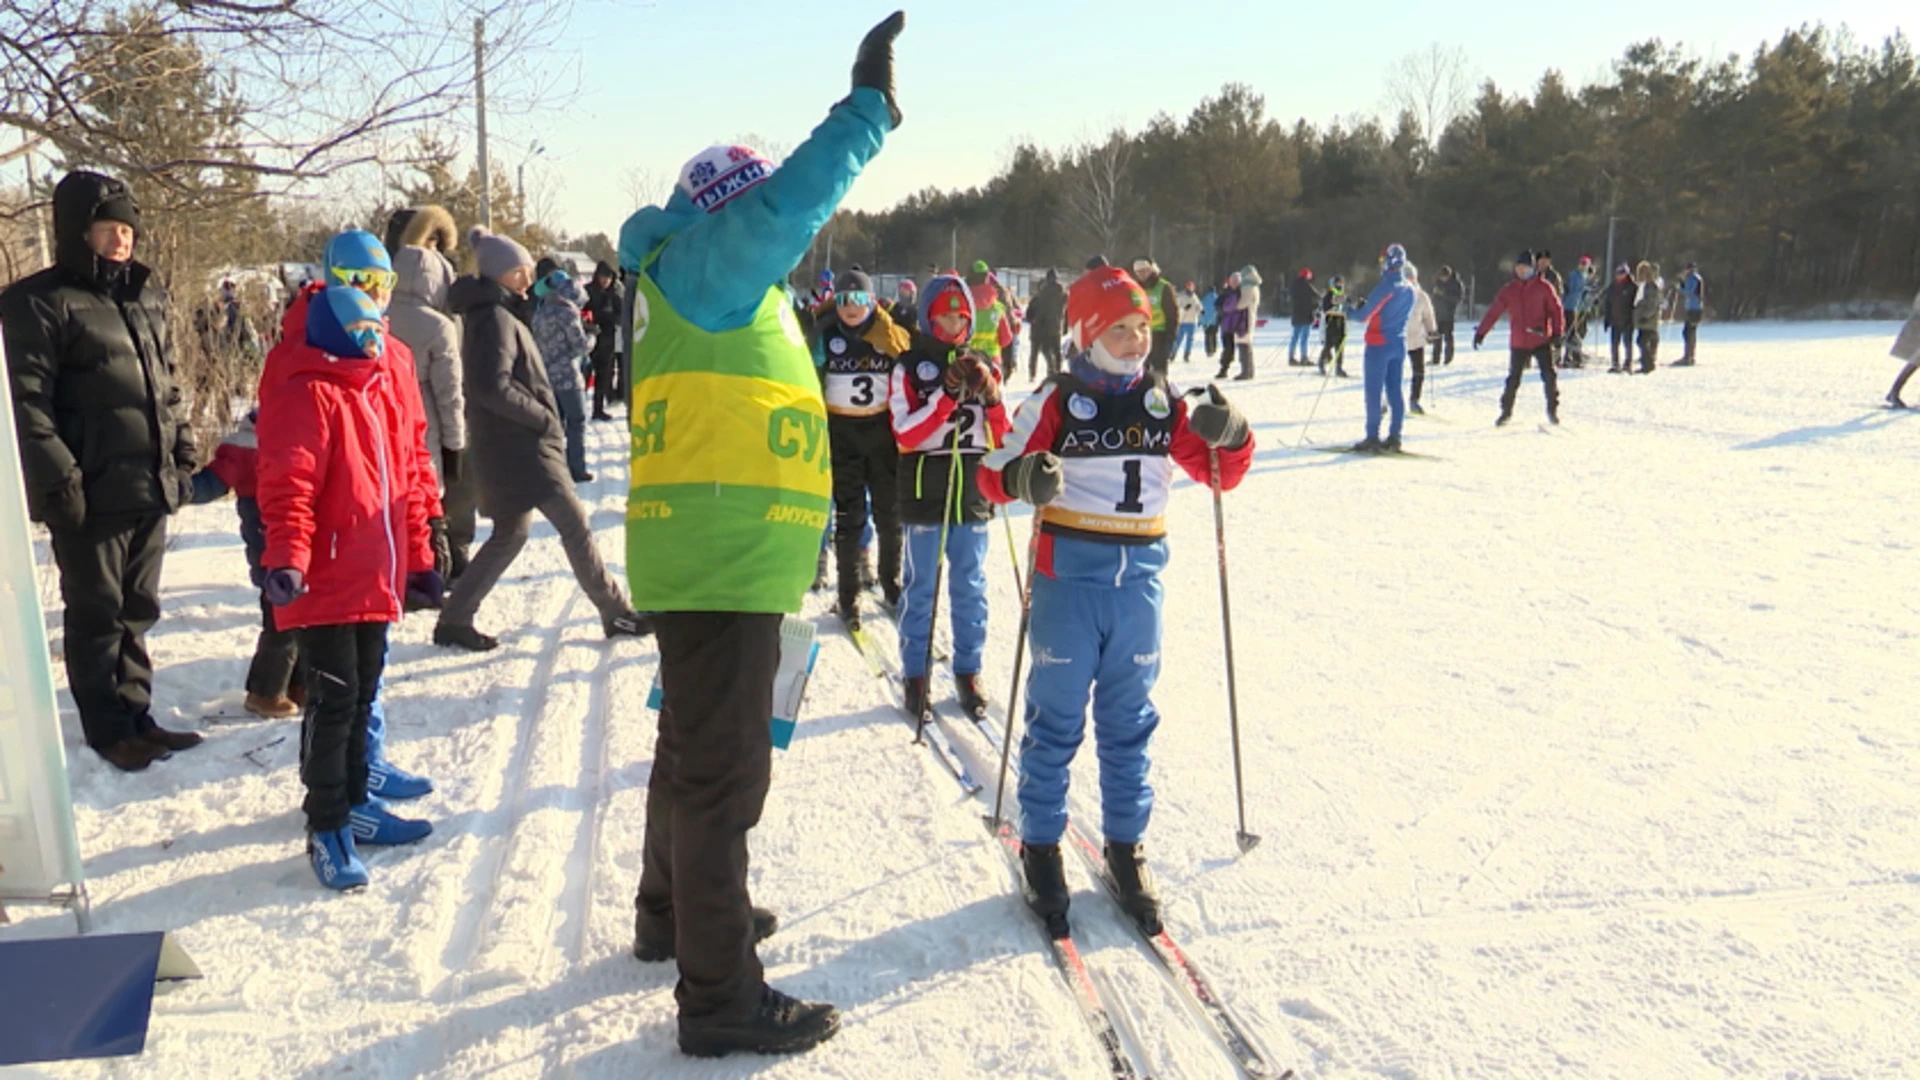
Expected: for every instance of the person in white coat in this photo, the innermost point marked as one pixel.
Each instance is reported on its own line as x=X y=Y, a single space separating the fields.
x=1906 y=347
x=1422 y=328
x=1250 y=306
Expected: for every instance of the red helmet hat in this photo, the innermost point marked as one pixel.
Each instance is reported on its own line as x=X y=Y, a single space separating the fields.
x=1306 y=274
x=1101 y=298
x=946 y=295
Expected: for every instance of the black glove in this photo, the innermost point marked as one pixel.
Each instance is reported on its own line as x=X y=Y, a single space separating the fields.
x=63 y=510
x=873 y=64
x=451 y=462
x=425 y=589
x=1033 y=478
x=1477 y=339
x=442 y=549
x=1218 y=421
x=1556 y=341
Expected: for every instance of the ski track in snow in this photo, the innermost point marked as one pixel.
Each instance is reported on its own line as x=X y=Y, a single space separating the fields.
x=1585 y=756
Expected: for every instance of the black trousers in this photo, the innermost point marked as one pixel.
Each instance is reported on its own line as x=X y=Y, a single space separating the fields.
x=1213 y=338
x=1517 y=363
x=1443 y=343
x=712 y=762
x=606 y=377
x=341 y=667
x=1227 y=354
x=1690 y=334
x=1161 y=351
x=461 y=502
x=1622 y=335
x=110 y=581
x=866 y=462
x=1045 y=347
x=1419 y=359
x=1334 y=344
x=276 y=655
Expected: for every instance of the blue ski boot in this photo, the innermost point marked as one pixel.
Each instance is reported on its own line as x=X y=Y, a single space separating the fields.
x=372 y=823
x=335 y=862
x=389 y=781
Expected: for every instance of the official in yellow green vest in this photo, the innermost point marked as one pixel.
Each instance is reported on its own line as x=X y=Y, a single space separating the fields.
x=1166 y=312
x=731 y=488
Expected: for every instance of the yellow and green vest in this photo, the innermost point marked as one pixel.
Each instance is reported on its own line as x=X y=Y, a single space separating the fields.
x=732 y=477
x=1156 y=295
x=986 y=330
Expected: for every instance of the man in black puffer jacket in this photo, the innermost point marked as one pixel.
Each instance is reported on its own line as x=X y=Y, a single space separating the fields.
x=603 y=304
x=105 y=451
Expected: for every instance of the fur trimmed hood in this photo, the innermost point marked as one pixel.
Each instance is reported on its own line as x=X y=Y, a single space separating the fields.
x=431 y=223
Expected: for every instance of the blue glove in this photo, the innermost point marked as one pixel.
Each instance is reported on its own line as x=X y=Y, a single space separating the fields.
x=283 y=586
x=425 y=588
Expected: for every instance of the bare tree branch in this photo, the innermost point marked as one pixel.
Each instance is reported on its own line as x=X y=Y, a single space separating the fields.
x=1433 y=85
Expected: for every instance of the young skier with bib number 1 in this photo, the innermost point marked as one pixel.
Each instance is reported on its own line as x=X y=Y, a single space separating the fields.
x=1094 y=450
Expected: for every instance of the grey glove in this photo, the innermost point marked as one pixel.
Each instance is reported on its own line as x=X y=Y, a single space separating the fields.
x=873 y=64
x=1034 y=478
x=1218 y=421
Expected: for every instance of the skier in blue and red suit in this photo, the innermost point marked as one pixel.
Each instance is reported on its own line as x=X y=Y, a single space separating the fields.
x=1094 y=450
x=1386 y=313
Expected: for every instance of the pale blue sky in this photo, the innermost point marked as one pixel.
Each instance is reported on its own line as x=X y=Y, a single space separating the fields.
x=659 y=82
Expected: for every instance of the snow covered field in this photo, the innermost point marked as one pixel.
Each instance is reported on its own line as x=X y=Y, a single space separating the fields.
x=1578 y=753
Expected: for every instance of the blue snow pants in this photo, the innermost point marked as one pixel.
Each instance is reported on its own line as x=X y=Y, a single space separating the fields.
x=1183 y=341
x=966 y=595
x=1386 y=369
x=1302 y=342
x=1095 y=634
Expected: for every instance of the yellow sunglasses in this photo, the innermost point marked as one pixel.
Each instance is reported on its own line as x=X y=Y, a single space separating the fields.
x=378 y=280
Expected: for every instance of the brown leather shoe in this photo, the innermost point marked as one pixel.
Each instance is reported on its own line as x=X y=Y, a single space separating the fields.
x=133 y=753
x=170 y=740
x=272 y=708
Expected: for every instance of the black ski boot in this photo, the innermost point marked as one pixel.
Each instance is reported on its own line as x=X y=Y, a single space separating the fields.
x=1047 y=892
x=779 y=1025
x=1368 y=445
x=1553 y=415
x=464 y=637
x=1340 y=370
x=1504 y=420
x=914 y=696
x=972 y=699
x=1128 y=865
x=1391 y=445
x=653 y=937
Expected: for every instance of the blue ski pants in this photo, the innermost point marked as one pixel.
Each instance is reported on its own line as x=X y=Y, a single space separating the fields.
x=1386 y=369
x=966 y=595
x=1183 y=341
x=1098 y=640
x=1302 y=342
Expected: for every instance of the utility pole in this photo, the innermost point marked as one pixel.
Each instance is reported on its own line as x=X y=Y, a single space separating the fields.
x=480 y=105
x=1153 y=230
x=1611 y=221
x=953 y=249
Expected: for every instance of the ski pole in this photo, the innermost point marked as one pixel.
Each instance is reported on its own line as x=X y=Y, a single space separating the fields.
x=1019 y=657
x=940 y=563
x=1245 y=839
x=1325 y=378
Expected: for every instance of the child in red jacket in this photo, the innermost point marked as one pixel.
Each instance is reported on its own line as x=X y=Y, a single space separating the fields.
x=345 y=488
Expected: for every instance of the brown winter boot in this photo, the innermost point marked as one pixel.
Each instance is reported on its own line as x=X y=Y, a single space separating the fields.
x=132 y=754
x=272 y=707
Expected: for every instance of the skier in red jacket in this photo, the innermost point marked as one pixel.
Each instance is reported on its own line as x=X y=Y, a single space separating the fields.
x=1536 y=322
x=346 y=488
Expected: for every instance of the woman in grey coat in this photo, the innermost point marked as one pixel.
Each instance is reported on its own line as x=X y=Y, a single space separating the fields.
x=518 y=445
x=419 y=317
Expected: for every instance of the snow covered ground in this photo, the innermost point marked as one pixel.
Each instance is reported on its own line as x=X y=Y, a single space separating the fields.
x=1578 y=753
